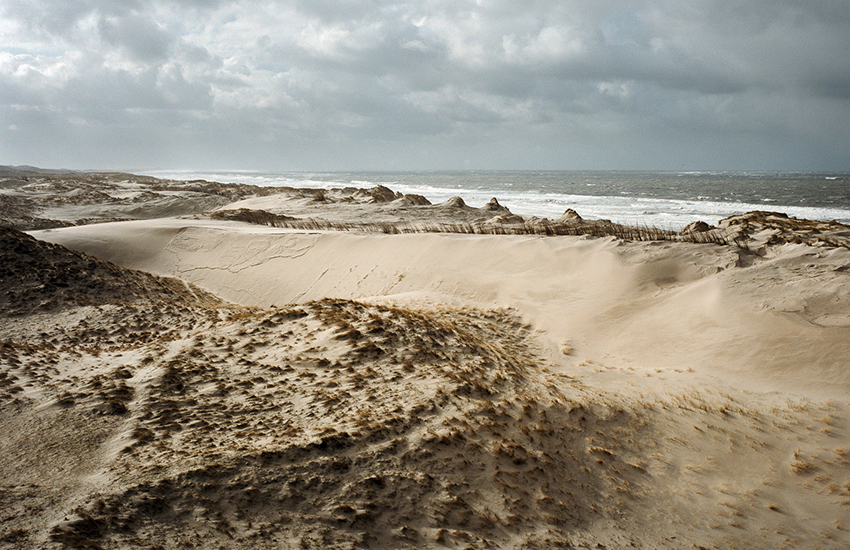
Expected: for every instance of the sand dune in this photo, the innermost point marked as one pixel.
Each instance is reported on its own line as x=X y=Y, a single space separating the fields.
x=419 y=390
x=717 y=310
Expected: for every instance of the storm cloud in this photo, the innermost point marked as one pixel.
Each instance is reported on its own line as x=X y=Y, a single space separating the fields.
x=433 y=84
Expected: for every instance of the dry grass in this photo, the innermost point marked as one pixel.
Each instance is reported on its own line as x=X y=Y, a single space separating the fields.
x=533 y=227
x=736 y=231
x=801 y=465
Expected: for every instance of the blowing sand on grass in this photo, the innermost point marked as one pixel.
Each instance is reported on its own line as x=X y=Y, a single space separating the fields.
x=325 y=389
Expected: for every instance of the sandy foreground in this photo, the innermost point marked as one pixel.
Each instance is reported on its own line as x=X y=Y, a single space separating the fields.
x=254 y=386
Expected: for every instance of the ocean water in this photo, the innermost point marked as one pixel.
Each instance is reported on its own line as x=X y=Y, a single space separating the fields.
x=668 y=200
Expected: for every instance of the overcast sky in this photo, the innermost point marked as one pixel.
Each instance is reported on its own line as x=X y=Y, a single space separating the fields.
x=425 y=84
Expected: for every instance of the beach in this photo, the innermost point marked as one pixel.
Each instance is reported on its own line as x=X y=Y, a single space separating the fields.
x=223 y=366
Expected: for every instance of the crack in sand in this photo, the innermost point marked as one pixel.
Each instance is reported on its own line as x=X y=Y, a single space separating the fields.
x=184 y=246
x=300 y=296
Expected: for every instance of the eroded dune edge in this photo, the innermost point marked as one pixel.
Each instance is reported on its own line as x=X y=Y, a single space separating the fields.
x=419 y=391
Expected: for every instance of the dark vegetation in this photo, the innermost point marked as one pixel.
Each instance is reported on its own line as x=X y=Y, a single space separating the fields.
x=735 y=230
x=40 y=276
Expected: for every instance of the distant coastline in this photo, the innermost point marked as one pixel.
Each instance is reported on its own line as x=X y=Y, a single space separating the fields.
x=666 y=199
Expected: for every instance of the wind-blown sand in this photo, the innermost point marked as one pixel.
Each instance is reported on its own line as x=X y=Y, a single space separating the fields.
x=321 y=389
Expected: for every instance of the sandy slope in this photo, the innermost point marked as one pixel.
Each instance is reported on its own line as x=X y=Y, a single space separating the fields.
x=769 y=323
x=423 y=390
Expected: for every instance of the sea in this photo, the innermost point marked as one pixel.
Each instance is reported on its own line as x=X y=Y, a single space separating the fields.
x=666 y=200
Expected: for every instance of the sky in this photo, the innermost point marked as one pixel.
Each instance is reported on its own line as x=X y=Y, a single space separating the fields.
x=425 y=84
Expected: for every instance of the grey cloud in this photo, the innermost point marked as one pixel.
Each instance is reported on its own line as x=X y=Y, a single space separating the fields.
x=334 y=11
x=831 y=86
x=140 y=37
x=433 y=73
x=60 y=18
x=196 y=54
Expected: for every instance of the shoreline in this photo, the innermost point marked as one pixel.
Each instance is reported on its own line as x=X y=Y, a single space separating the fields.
x=37 y=200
